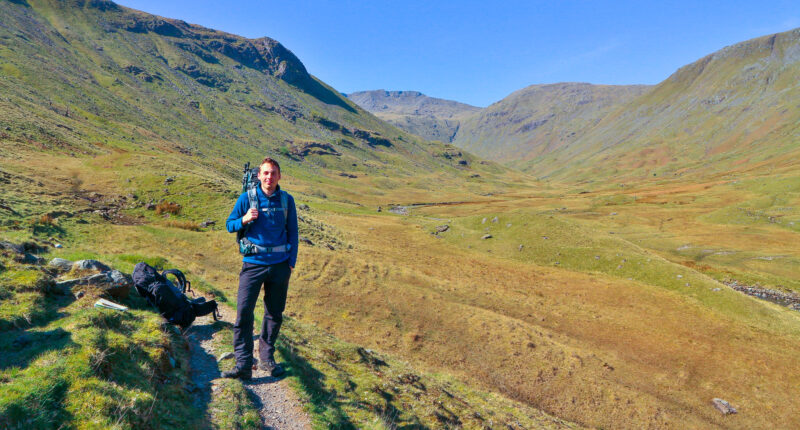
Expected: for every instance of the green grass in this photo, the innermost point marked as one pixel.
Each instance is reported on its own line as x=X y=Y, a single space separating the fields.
x=65 y=363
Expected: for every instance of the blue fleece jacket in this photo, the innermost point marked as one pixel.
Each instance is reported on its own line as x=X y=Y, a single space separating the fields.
x=269 y=229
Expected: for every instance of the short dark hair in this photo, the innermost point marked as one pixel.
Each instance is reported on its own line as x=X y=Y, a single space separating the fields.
x=269 y=160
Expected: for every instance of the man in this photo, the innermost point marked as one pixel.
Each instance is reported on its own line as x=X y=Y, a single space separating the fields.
x=273 y=231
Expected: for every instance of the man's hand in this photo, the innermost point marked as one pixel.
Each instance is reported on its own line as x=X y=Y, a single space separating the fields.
x=251 y=215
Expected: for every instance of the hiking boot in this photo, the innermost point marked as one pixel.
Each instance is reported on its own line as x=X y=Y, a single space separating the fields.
x=273 y=368
x=244 y=373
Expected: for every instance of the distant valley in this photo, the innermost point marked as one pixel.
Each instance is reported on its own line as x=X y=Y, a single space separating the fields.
x=733 y=109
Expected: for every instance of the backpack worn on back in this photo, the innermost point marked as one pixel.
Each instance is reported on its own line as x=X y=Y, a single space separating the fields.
x=170 y=300
x=250 y=184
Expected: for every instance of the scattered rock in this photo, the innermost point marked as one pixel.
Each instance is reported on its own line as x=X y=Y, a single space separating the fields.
x=486 y=236
x=207 y=223
x=28 y=258
x=168 y=180
x=306 y=241
x=79 y=295
x=150 y=206
x=379 y=209
x=494 y=219
x=113 y=282
x=508 y=225
x=90 y=265
x=724 y=407
x=520 y=247
x=226 y=356
x=442 y=228
x=61 y=264
x=59 y=246
x=305 y=207
x=483 y=221
x=680 y=276
x=545 y=237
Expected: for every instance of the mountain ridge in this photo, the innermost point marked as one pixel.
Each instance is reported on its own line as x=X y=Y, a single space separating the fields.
x=428 y=117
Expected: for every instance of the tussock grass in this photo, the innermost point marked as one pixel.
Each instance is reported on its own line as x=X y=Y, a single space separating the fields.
x=231 y=408
x=185 y=225
x=168 y=207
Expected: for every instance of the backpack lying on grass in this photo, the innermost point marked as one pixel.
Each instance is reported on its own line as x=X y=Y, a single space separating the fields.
x=170 y=300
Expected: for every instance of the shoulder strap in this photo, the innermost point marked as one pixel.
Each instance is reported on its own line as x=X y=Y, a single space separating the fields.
x=285 y=205
x=183 y=284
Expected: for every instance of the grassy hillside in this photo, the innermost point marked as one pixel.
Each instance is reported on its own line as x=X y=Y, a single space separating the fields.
x=85 y=78
x=733 y=110
x=540 y=119
x=416 y=113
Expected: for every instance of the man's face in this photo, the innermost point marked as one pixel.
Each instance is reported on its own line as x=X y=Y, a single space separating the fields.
x=269 y=176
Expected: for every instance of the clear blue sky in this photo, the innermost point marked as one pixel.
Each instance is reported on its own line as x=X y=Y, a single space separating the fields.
x=478 y=52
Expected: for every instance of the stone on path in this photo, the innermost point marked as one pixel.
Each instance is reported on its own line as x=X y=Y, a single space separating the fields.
x=226 y=356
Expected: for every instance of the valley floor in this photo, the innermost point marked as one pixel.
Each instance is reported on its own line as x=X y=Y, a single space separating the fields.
x=606 y=307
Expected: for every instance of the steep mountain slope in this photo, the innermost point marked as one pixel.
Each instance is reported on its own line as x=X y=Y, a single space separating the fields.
x=540 y=118
x=735 y=109
x=91 y=77
x=428 y=117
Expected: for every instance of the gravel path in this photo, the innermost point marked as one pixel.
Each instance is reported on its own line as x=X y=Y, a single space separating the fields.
x=278 y=405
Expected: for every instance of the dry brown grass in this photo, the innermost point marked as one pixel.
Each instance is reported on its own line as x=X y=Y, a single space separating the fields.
x=590 y=348
x=46 y=219
x=168 y=208
x=186 y=225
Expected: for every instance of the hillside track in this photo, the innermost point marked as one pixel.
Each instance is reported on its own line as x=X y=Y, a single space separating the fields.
x=278 y=405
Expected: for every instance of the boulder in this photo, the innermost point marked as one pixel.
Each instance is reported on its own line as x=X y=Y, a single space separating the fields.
x=113 y=283
x=90 y=265
x=61 y=264
x=27 y=258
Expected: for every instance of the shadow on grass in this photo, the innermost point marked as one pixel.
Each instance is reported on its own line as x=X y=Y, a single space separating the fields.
x=323 y=402
x=203 y=364
x=19 y=348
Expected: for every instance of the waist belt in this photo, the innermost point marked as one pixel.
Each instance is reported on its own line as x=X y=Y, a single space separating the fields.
x=268 y=249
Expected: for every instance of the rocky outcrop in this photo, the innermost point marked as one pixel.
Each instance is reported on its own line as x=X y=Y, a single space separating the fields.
x=303 y=149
